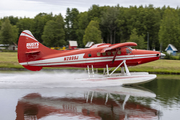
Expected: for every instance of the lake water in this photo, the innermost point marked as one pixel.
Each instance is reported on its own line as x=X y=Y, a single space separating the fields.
x=57 y=96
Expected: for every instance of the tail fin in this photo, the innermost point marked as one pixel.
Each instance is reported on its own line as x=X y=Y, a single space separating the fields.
x=29 y=49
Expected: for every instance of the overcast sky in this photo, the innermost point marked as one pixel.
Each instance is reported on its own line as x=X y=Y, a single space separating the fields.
x=30 y=8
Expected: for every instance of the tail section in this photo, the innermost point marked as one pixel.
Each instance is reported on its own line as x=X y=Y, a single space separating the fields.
x=29 y=49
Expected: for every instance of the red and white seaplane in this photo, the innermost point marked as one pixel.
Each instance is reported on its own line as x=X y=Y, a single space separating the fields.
x=34 y=56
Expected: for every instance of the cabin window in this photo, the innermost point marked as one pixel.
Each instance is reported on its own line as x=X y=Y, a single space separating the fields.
x=113 y=52
x=89 y=55
x=109 y=53
x=119 y=52
x=104 y=54
x=98 y=53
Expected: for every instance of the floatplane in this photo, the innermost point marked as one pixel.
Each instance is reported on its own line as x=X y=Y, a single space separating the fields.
x=34 y=56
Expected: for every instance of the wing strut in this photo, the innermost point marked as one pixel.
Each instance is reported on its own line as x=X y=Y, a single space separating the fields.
x=115 y=55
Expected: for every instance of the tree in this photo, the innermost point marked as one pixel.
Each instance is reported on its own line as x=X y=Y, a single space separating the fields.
x=8 y=33
x=67 y=24
x=169 y=32
x=38 y=25
x=54 y=35
x=121 y=25
x=25 y=24
x=137 y=39
x=108 y=20
x=129 y=22
x=82 y=25
x=13 y=20
x=71 y=24
x=0 y=24
x=15 y=34
x=92 y=33
x=94 y=13
x=149 y=21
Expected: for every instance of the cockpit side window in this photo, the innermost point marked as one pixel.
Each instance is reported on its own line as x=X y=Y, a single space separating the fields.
x=128 y=51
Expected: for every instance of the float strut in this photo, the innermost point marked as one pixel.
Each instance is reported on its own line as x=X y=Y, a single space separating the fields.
x=122 y=70
x=107 y=69
x=104 y=71
x=96 y=70
x=126 y=68
x=116 y=68
x=92 y=70
x=88 y=70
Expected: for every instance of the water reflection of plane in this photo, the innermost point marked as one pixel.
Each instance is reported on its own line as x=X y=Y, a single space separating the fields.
x=95 y=103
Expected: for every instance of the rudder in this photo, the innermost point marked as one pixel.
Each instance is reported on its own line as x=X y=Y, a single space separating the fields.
x=28 y=50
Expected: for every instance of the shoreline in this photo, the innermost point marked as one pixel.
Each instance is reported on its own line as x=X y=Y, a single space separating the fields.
x=100 y=71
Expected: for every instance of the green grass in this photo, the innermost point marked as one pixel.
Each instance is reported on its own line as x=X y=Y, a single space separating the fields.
x=161 y=65
x=9 y=60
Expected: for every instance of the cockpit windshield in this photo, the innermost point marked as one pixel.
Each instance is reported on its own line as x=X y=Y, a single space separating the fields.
x=129 y=48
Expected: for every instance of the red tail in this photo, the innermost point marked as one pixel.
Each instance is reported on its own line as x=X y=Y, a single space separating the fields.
x=29 y=49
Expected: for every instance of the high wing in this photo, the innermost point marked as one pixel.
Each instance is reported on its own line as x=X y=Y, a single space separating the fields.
x=119 y=45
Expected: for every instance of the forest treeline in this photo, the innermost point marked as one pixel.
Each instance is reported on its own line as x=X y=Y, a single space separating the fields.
x=148 y=26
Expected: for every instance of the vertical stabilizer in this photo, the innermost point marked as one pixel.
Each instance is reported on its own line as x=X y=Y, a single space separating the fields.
x=28 y=50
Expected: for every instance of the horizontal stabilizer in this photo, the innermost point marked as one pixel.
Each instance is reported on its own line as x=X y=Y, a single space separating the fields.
x=33 y=52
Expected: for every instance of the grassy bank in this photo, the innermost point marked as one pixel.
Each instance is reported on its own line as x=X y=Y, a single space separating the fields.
x=9 y=60
x=159 y=66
